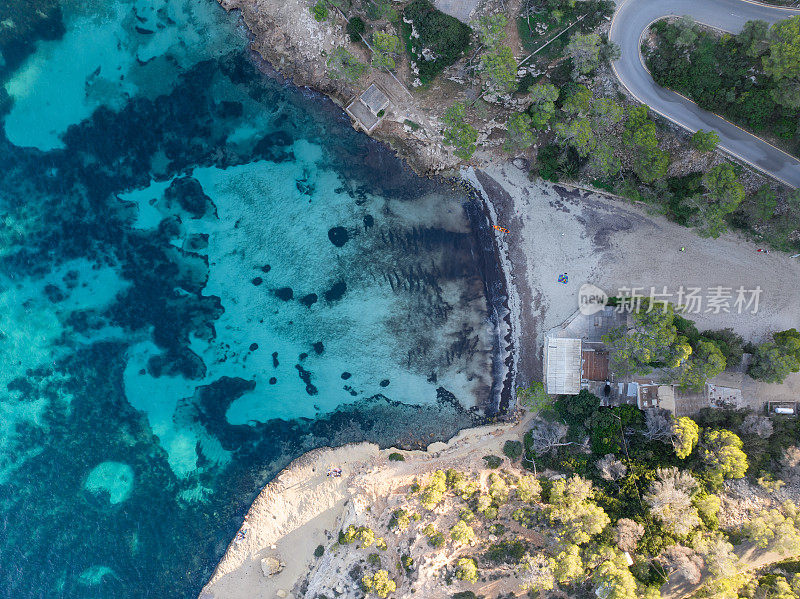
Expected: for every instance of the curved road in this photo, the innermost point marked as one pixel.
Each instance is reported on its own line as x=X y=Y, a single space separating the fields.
x=631 y=20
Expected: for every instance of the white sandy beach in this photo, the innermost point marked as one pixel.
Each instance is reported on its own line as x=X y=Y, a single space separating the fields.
x=554 y=229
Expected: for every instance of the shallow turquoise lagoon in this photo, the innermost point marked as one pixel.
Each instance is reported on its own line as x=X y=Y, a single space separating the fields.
x=204 y=272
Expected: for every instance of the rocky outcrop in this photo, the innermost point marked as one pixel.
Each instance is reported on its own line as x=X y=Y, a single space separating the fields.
x=287 y=36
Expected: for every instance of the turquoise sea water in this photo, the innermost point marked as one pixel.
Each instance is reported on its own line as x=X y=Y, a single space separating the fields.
x=204 y=272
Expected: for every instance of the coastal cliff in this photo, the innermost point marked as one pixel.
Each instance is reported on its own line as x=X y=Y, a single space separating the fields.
x=276 y=552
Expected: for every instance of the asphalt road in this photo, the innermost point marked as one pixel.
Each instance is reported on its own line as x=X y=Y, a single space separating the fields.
x=633 y=17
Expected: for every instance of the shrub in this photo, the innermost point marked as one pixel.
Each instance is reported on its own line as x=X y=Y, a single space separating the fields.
x=513 y=449
x=445 y=36
x=374 y=559
x=355 y=29
x=320 y=11
x=407 y=563
x=462 y=533
x=343 y=65
x=433 y=492
x=379 y=583
x=498 y=489
x=509 y=552
x=467 y=569
x=400 y=520
x=493 y=461
x=319 y=551
x=396 y=457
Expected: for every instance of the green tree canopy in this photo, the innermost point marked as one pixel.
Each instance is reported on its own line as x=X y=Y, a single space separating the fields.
x=499 y=69
x=458 y=132
x=653 y=338
x=783 y=59
x=764 y=202
x=650 y=162
x=639 y=129
x=543 y=92
x=578 y=100
x=584 y=49
x=520 y=134
x=686 y=434
x=787 y=93
x=491 y=29
x=572 y=508
x=705 y=141
x=724 y=187
x=603 y=162
x=706 y=362
x=612 y=578
x=319 y=11
x=544 y=96
x=607 y=112
x=445 y=36
x=568 y=567
x=577 y=410
x=467 y=569
x=722 y=452
x=777 y=530
x=577 y=133
x=462 y=533
x=753 y=38
x=379 y=583
x=776 y=359
x=386 y=46
x=723 y=195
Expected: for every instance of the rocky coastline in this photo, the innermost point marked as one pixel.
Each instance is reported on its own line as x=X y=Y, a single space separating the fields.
x=286 y=36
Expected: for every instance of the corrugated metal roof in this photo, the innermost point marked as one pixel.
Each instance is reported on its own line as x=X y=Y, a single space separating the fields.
x=563 y=366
